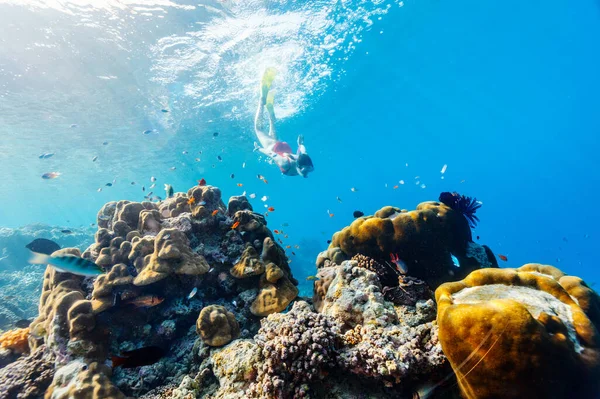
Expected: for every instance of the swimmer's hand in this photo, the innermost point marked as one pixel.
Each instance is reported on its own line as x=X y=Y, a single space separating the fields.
x=300 y=139
x=256 y=147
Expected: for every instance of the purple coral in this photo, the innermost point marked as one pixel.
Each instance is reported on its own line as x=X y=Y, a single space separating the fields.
x=297 y=347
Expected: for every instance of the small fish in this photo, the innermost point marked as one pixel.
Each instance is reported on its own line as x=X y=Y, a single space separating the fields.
x=147 y=132
x=259 y=177
x=395 y=187
x=143 y=188
x=152 y=179
x=202 y=182
x=46 y=155
x=234 y=303
x=276 y=231
x=503 y=257
x=328 y=241
x=164 y=110
x=215 y=134
x=243 y=165
x=138 y=357
x=219 y=158
x=66 y=231
x=108 y=184
x=73 y=125
x=285 y=236
x=133 y=183
x=401 y=182
x=293 y=253
x=172 y=168
x=353 y=189
x=169 y=190
x=232 y=176
x=197 y=159
x=105 y=143
x=99 y=189
x=358 y=214
x=67 y=263
x=150 y=194
x=288 y=246
x=252 y=195
x=339 y=199
x=192 y=293
x=152 y=186
x=264 y=198
x=455 y=261
x=184 y=152
x=215 y=212
x=478 y=237
x=312 y=278
x=42 y=246
x=330 y=214
x=146 y=301
x=235 y=225
x=202 y=203
x=444 y=169
x=240 y=185
x=191 y=201
x=400 y=265
x=271 y=209
x=296 y=246
x=95 y=159
x=50 y=175
x=423 y=186
x=24 y=323
x=265 y=181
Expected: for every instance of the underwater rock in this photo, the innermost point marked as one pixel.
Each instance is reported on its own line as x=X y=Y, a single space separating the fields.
x=217 y=326
x=236 y=376
x=424 y=239
x=80 y=380
x=525 y=331
x=238 y=203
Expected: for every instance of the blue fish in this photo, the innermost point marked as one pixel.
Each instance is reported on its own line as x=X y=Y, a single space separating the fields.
x=455 y=261
x=67 y=263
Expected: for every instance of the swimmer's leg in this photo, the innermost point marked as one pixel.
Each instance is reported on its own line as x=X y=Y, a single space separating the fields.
x=266 y=141
x=271 y=112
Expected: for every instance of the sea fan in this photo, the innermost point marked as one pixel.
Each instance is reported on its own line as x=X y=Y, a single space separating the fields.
x=463 y=204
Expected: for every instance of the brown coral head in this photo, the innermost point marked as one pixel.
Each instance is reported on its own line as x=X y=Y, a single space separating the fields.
x=518 y=333
x=217 y=326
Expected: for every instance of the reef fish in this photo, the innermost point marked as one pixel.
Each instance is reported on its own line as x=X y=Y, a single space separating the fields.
x=400 y=265
x=235 y=225
x=358 y=214
x=42 y=246
x=455 y=261
x=503 y=257
x=169 y=190
x=192 y=293
x=46 y=155
x=50 y=175
x=312 y=278
x=146 y=301
x=24 y=323
x=202 y=182
x=138 y=357
x=67 y=263
x=66 y=231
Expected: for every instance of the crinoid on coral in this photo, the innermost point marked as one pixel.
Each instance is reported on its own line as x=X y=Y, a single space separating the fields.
x=466 y=206
x=421 y=242
x=521 y=333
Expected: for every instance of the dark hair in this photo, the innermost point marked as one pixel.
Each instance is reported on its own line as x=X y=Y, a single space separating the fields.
x=304 y=161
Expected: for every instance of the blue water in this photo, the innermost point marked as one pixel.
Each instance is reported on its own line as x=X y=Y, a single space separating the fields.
x=504 y=94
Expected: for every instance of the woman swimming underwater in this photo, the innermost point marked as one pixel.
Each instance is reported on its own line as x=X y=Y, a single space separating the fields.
x=280 y=152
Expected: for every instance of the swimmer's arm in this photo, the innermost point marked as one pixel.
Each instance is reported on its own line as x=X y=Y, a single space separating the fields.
x=268 y=153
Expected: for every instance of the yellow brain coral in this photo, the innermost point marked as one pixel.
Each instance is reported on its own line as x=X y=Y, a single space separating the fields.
x=15 y=340
x=520 y=333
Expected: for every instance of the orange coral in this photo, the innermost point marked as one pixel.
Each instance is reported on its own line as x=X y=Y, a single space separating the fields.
x=520 y=333
x=15 y=340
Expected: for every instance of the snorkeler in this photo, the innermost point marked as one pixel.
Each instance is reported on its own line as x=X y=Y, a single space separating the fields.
x=280 y=152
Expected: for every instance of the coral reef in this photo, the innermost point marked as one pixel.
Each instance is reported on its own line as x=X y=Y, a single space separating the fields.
x=517 y=333
x=27 y=377
x=217 y=326
x=15 y=340
x=297 y=347
x=466 y=206
x=424 y=239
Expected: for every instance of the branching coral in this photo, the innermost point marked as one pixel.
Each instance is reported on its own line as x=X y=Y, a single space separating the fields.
x=297 y=347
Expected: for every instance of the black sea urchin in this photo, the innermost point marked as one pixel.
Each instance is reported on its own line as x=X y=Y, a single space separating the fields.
x=463 y=204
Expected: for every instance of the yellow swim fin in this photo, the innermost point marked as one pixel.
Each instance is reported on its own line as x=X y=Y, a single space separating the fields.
x=270 y=104
x=267 y=81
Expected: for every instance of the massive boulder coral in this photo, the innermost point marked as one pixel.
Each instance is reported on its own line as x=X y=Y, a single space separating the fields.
x=425 y=239
x=217 y=326
x=28 y=377
x=78 y=380
x=517 y=333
